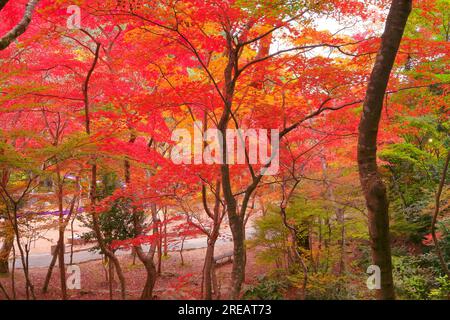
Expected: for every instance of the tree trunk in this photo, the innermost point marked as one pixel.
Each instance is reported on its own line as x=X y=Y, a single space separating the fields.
x=160 y=245
x=5 y=251
x=371 y=182
x=181 y=251
x=61 y=246
x=208 y=267
x=61 y=264
x=50 y=270
x=57 y=249
x=294 y=245
x=147 y=293
x=98 y=234
x=165 y=252
x=93 y=191
x=110 y=279
x=436 y=215
x=29 y=287
x=207 y=271
x=239 y=255
x=208 y=280
x=146 y=259
x=235 y=219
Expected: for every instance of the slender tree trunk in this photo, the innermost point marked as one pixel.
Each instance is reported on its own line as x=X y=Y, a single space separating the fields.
x=208 y=267
x=341 y=220
x=217 y=216
x=61 y=246
x=150 y=268
x=147 y=293
x=165 y=252
x=235 y=218
x=181 y=251
x=12 y=210
x=160 y=245
x=50 y=270
x=207 y=271
x=110 y=279
x=13 y=274
x=239 y=255
x=96 y=227
x=71 y=236
x=294 y=243
x=146 y=259
x=29 y=287
x=236 y=225
x=57 y=249
x=437 y=210
x=93 y=192
x=62 y=266
x=371 y=182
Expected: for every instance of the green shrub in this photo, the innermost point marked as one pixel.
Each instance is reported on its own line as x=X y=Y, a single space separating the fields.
x=268 y=288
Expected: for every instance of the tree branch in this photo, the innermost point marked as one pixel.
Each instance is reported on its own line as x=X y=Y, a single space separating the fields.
x=21 y=27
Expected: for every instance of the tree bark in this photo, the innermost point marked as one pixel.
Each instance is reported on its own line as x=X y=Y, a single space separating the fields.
x=147 y=293
x=147 y=258
x=5 y=251
x=207 y=271
x=239 y=255
x=208 y=267
x=373 y=187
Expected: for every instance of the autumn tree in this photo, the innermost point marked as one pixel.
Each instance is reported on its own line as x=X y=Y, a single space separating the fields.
x=372 y=184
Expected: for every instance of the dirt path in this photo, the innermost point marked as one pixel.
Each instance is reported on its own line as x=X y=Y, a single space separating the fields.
x=41 y=257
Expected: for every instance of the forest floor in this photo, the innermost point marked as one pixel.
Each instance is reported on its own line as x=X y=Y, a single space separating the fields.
x=176 y=281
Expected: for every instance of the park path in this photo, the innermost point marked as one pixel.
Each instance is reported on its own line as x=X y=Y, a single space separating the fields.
x=43 y=260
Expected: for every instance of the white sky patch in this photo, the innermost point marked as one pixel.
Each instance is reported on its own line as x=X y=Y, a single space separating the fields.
x=343 y=27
